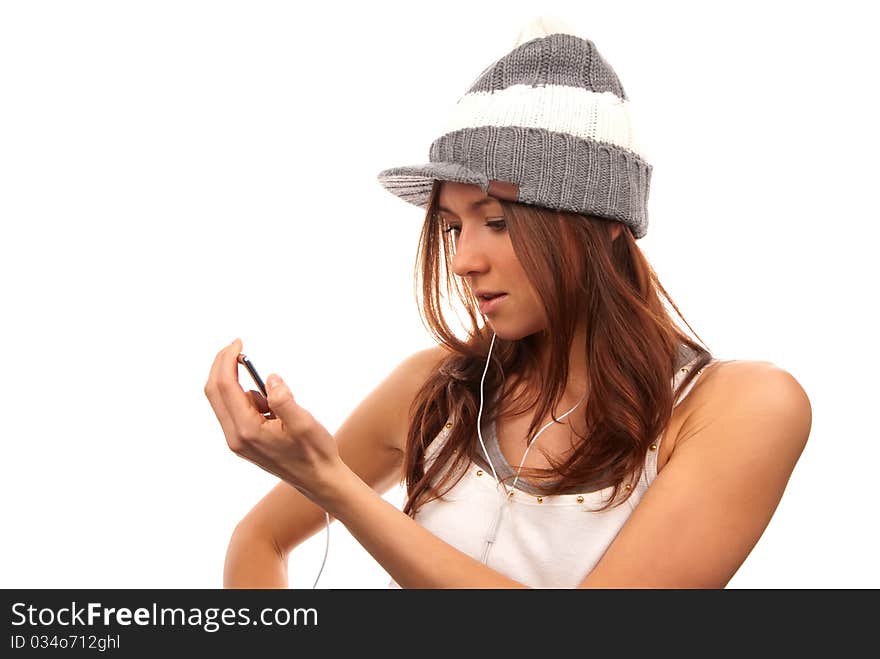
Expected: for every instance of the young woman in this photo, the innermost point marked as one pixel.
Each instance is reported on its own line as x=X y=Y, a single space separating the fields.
x=577 y=437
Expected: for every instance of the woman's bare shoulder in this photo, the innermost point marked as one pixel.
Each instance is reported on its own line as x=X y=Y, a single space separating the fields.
x=737 y=375
x=408 y=378
x=422 y=363
x=741 y=384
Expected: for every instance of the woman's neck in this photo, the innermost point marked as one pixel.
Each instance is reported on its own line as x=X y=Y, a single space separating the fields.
x=578 y=369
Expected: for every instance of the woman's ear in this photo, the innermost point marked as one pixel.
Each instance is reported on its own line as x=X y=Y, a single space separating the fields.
x=615 y=229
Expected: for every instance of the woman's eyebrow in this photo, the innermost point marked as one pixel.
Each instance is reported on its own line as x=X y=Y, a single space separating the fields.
x=476 y=204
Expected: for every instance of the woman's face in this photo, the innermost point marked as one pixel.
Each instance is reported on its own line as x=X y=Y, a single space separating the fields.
x=484 y=258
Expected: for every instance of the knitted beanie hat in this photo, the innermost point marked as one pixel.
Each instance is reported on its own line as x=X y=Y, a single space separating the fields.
x=548 y=124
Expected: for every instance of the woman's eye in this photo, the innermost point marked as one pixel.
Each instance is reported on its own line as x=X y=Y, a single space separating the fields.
x=497 y=225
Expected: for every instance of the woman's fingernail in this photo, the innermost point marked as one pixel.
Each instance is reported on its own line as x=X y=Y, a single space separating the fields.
x=273 y=381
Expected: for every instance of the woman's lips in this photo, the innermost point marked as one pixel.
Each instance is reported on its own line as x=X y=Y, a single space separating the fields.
x=488 y=306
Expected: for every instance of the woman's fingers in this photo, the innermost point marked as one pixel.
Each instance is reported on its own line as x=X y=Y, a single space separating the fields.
x=273 y=431
x=212 y=391
x=259 y=401
x=246 y=421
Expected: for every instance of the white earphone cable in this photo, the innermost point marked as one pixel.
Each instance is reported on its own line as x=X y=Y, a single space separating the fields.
x=493 y=530
x=326 y=549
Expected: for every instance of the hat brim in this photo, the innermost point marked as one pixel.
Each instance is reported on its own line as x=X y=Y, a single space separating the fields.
x=414 y=183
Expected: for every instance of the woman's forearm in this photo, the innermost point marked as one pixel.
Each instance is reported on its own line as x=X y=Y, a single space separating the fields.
x=252 y=561
x=411 y=554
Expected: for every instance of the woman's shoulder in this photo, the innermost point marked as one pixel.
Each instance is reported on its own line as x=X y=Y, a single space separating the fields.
x=738 y=377
x=728 y=388
x=410 y=375
x=424 y=362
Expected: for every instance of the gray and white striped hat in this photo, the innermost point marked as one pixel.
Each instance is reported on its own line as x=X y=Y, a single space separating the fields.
x=548 y=124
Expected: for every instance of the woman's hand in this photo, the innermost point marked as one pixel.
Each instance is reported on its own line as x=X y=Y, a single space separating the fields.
x=292 y=446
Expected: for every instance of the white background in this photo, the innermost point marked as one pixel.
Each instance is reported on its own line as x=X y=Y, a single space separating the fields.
x=174 y=175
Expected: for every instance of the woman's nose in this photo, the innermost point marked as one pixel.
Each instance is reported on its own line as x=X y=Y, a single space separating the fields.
x=468 y=258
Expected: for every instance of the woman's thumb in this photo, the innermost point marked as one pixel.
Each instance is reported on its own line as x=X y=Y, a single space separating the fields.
x=279 y=396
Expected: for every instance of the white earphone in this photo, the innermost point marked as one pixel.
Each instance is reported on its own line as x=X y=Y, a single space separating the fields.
x=493 y=531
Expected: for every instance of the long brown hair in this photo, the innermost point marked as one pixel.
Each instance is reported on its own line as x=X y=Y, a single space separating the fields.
x=632 y=349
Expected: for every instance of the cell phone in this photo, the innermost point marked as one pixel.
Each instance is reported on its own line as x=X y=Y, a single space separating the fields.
x=244 y=361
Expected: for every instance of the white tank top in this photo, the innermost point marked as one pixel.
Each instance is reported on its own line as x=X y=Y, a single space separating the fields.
x=543 y=541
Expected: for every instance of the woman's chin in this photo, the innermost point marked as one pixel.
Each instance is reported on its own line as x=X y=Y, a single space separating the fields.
x=509 y=331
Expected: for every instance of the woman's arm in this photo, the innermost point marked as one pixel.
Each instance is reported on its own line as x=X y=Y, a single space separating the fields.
x=254 y=561
x=411 y=554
